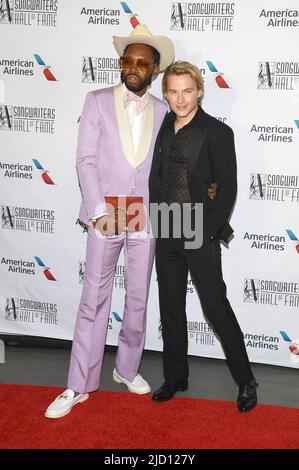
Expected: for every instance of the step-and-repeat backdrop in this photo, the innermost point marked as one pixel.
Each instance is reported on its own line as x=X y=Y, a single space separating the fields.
x=52 y=53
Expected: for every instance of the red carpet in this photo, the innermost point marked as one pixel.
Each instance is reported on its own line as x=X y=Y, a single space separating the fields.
x=120 y=420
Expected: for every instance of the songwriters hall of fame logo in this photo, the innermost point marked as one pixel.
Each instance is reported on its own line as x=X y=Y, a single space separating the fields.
x=203 y=16
x=101 y=70
x=160 y=330
x=257 y=186
x=278 y=75
x=31 y=311
x=7 y=11
x=274 y=187
x=81 y=271
x=266 y=76
x=7 y=217
x=40 y=120
x=28 y=219
x=178 y=16
x=29 y=13
x=11 y=309
x=251 y=290
x=89 y=70
x=271 y=292
x=6 y=119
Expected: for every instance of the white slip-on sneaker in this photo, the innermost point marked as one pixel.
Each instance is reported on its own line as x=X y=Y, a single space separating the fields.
x=63 y=404
x=138 y=385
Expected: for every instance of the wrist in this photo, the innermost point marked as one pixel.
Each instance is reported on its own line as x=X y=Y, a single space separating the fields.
x=95 y=220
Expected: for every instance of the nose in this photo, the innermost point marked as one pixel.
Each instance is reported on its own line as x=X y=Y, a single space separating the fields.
x=180 y=98
x=133 y=67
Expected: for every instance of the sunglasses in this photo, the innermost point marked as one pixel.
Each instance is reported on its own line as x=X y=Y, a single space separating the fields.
x=142 y=64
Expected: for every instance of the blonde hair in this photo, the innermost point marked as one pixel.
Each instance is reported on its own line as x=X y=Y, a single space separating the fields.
x=181 y=67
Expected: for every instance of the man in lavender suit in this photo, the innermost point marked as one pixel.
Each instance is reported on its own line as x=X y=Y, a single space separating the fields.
x=117 y=133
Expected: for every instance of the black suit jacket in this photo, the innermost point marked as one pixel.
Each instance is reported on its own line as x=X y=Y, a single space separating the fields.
x=211 y=159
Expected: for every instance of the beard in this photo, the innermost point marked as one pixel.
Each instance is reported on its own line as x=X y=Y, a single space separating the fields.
x=138 y=86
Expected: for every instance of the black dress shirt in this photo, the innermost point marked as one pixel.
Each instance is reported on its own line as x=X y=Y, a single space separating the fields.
x=174 y=159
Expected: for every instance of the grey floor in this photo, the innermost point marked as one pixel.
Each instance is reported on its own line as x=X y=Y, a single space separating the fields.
x=39 y=361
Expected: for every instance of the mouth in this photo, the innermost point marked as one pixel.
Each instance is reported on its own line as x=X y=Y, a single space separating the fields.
x=132 y=77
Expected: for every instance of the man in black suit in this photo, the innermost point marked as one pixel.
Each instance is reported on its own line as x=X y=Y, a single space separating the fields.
x=192 y=150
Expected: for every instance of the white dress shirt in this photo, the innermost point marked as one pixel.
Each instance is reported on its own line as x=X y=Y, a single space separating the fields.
x=135 y=121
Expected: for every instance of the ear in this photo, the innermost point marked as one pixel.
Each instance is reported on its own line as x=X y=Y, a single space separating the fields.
x=156 y=71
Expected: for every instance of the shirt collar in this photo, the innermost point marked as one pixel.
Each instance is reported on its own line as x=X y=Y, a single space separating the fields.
x=172 y=118
x=126 y=89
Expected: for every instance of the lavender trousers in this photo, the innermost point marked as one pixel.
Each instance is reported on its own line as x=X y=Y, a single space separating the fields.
x=92 y=320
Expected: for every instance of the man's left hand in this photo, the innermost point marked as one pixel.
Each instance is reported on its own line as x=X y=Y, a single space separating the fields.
x=212 y=190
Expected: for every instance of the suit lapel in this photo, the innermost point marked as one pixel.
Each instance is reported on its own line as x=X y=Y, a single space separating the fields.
x=123 y=125
x=157 y=149
x=197 y=140
x=146 y=133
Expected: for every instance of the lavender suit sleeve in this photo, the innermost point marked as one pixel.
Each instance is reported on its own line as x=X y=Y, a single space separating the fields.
x=88 y=157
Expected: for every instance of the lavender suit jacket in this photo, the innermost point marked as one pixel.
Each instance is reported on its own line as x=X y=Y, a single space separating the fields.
x=105 y=150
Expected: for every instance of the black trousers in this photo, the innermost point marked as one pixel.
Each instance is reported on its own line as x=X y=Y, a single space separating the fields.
x=172 y=263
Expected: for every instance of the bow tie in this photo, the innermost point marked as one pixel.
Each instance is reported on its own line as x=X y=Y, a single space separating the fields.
x=141 y=101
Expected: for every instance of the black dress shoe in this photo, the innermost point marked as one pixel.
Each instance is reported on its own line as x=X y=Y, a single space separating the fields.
x=247 y=398
x=167 y=391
